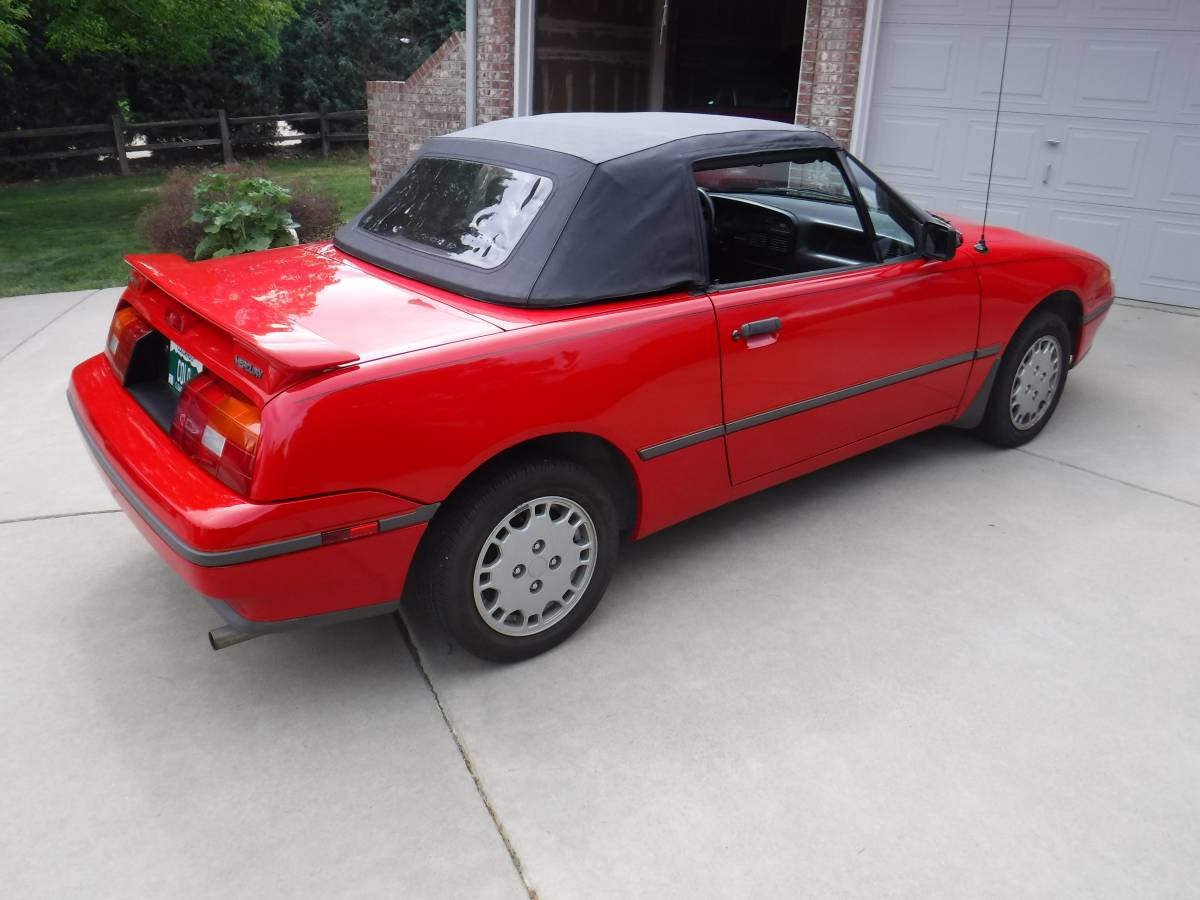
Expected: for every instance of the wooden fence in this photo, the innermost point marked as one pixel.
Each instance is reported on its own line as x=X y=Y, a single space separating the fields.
x=118 y=129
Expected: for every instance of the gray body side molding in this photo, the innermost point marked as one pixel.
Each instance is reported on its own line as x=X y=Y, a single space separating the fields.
x=249 y=626
x=1097 y=312
x=706 y=434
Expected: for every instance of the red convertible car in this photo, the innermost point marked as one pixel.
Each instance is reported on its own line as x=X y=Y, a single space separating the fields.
x=550 y=335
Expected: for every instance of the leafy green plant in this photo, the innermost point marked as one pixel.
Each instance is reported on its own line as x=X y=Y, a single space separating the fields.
x=320 y=191
x=239 y=215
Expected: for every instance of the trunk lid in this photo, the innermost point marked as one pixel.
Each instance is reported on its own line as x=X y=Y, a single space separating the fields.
x=301 y=309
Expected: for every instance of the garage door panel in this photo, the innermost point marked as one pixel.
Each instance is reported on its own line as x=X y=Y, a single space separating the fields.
x=910 y=145
x=1128 y=164
x=1101 y=233
x=1181 y=186
x=1152 y=75
x=1171 y=263
x=1006 y=213
x=916 y=65
x=1122 y=74
x=971 y=12
x=921 y=10
x=1189 y=104
x=1094 y=160
x=1102 y=162
x=1068 y=13
x=1018 y=148
x=925 y=200
x=1136 y=12
x=1030 y=72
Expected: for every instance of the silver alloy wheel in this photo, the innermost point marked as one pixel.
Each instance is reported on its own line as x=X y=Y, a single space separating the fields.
x=534 y=566
x=1036 y=382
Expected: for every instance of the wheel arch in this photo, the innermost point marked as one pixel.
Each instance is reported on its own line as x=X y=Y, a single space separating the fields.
x=1067 y=305
x=598 y=455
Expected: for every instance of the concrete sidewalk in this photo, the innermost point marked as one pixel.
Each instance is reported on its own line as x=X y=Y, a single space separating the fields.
x=936 y=670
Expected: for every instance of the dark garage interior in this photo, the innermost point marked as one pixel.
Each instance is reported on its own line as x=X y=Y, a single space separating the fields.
x=707 y=56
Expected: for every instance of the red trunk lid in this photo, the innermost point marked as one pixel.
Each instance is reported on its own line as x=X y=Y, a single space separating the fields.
x=305 y=309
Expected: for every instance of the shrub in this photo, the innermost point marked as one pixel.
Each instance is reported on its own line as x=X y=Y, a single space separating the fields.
x=240 y=215
x=317 y=212
x=166 y=224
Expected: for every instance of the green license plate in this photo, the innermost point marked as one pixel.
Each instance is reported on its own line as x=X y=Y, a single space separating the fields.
x=182 y=367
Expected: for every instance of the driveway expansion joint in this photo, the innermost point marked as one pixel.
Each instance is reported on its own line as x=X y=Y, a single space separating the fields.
x=1093 y=472
x=66 y=515
x=466 y=757
x=1151 y=306
x=25 y=340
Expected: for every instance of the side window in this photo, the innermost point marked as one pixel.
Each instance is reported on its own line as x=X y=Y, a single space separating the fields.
x=790 y=215
x=818 y=179
x=895 y=228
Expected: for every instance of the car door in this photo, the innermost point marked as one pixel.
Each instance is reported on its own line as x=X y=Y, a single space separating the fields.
x=814 y=361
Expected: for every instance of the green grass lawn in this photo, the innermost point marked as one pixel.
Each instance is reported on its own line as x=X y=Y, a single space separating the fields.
x=72 y=233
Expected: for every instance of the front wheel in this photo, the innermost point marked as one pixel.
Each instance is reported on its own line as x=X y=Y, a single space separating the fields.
x=1029 y=383
x=519 y=561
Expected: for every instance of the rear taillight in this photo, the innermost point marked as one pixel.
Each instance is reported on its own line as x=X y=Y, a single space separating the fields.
x=219 y=429
x=126 y=330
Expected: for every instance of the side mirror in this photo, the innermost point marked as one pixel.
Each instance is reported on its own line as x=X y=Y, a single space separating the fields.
x=938 y=240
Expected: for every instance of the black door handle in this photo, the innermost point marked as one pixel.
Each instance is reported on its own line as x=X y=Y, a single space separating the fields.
x=762 y=326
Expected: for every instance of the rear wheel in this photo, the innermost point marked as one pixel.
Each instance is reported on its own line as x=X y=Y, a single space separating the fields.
x=1029 y=383
x=519 y=561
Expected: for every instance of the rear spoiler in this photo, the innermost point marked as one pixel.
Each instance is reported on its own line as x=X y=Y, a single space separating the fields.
x=296 y=350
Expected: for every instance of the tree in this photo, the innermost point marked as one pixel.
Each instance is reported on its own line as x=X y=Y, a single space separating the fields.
x=338 y=45
x=42 y=89
x=327 y=53
x=12 y=35
x=179 y=31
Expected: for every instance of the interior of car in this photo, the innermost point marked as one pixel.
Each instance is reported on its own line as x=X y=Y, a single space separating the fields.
x=795 y=216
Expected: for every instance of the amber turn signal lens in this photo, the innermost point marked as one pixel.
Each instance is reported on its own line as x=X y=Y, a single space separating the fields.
x=126 y=330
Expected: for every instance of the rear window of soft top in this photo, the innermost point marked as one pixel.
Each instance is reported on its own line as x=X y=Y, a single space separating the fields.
x=474 y=212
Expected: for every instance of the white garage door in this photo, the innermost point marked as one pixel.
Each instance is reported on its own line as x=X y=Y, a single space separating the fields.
x=1099 y=140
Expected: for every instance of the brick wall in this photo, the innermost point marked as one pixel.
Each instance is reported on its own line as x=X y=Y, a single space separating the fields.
x=829 y=66
x=402 y=115
x=496 y=24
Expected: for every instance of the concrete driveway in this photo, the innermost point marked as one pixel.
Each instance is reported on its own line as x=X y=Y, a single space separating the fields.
x=937 y=670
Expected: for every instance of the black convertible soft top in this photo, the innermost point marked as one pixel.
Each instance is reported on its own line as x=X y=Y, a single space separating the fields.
x=622 y=218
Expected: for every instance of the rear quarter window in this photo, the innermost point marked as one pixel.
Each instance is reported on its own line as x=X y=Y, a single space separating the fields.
x=471 y=211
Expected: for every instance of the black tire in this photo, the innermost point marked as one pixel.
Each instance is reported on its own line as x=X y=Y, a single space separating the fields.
x=467 y=520
x=998 y=426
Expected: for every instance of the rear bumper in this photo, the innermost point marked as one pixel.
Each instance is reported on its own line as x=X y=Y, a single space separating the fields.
x=262 y=564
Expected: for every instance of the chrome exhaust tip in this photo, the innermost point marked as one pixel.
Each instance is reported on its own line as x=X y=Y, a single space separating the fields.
x=227 y=636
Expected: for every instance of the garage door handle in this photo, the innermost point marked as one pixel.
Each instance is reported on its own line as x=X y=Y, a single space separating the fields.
x=761 y=326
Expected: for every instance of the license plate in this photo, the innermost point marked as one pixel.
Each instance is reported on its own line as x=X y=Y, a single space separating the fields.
x=182 y=367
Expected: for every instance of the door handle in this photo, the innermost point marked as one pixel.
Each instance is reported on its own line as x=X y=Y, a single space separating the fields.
x=761 y=326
